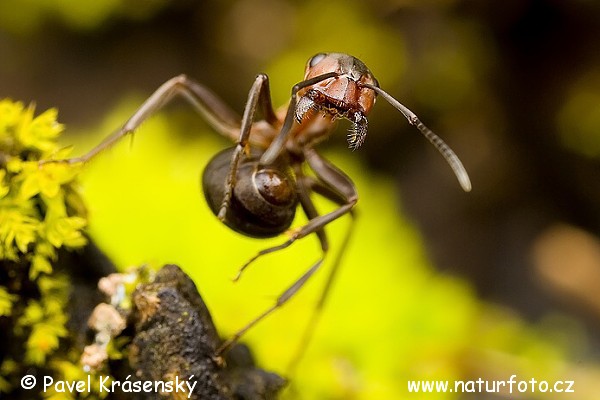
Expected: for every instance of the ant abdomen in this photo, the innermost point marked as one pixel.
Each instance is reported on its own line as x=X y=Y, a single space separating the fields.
x=264 y=200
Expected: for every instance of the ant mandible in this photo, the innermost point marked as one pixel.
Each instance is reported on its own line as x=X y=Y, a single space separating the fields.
x=255 y=187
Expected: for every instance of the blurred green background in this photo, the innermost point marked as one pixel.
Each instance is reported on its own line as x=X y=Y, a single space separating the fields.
x=436 y=283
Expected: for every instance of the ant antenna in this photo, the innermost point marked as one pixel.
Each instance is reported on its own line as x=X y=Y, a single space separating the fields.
x=435 y=140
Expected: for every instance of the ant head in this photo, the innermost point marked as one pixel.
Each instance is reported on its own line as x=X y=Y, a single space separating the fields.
x=343 y=95
x=340 y=85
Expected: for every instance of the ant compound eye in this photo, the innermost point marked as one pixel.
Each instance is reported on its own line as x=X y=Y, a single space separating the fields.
x=317 y=58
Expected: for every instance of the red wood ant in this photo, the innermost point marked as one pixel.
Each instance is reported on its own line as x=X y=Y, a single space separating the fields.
x=256 y=186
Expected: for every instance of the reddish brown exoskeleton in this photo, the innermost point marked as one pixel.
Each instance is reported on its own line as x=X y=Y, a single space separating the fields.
x=256 y=186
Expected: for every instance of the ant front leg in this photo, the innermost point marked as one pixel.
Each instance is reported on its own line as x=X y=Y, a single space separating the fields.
x=278 y=144
x=259 y=96
x=338 y=187
x=208 y=105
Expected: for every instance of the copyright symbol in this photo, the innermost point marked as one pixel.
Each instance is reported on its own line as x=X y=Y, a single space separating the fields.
x=28 y=382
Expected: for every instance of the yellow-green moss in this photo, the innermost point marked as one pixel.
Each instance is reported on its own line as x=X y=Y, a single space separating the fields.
x=40 y=213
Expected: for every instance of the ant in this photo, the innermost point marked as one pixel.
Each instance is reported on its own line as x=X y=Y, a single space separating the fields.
x=256 y=186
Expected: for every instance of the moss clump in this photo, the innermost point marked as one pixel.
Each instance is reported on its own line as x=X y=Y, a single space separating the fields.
x=41 y=215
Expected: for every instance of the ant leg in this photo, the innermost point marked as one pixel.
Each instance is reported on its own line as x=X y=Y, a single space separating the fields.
x=258 y=96
x=281 y=300
x=342 y=189
x=316 y=313
x=338 y=183
x=305 y=185
x=313 y=226
x=208 y=105
x=278 y=143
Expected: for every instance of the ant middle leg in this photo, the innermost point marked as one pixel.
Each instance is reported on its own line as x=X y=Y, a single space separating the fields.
x=340 y=189
x=325 y=191
x=333 y=184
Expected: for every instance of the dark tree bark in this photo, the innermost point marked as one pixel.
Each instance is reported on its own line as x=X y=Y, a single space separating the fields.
x=174 y=336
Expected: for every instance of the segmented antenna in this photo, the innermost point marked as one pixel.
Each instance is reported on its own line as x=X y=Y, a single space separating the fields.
x=445 y=150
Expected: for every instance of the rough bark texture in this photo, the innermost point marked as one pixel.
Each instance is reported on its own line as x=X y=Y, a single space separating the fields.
x=174 y=336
